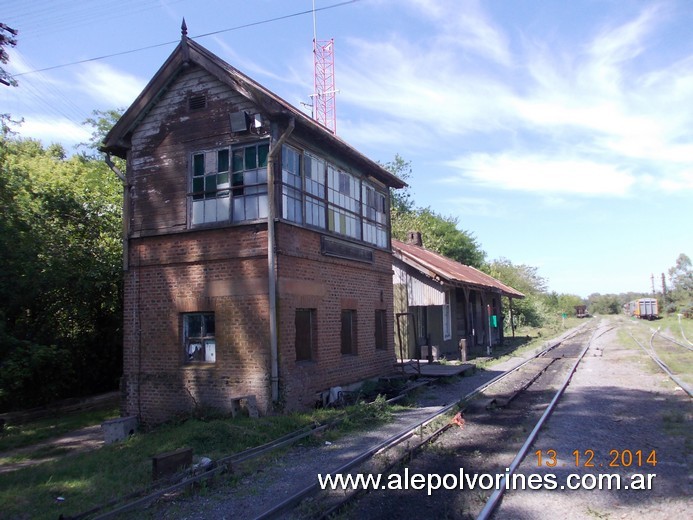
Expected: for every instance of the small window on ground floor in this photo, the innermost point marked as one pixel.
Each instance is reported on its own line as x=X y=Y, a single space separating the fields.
x=199 y=341
x=306 y=335
x=380 y=329
x=348 y=331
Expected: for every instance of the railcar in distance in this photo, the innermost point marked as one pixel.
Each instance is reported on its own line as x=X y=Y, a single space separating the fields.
x=643 y=308
x=581 y=311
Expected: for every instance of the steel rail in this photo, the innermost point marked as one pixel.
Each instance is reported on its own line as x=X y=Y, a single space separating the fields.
x=683 y=335
x=392 y=441
x=663 y=365
x=495 y=497
x=144 y=497
x=655 y=357
x=673 y=340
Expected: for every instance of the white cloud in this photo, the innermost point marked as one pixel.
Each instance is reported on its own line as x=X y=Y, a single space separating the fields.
x=109 y=86
x=57 y=130
x=538 y=174
x=580 y=118
x=464 y=25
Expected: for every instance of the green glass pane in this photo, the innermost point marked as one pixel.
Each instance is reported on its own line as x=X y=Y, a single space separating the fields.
x=238 y=161
x=211 y=183
x=198 y=184
x=262 y=151
x=222 y=178
x=223 y=161
x=198 y=164
x=250 y=158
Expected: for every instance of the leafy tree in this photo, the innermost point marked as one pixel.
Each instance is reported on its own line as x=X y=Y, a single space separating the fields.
x=440 y=233
x=532 y=310
x=61 y=282
x=605 y=303
x=401 y=200
x=681 y=275
x=681 y=294
x=7 y=39
x=101 y=122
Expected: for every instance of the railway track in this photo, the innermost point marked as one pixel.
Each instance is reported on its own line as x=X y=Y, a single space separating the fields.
x=499 y=412
x=657 y=353
x=483 y=405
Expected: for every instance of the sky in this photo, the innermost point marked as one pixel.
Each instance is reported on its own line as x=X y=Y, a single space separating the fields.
x=558 y=133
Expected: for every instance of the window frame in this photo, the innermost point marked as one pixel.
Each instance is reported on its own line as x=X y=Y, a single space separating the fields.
x=204 y=340
x=230 y=189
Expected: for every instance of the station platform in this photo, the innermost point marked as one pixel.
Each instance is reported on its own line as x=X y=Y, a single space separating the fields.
x=423 y=368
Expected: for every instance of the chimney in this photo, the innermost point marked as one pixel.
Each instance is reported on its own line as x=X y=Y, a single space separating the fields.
x=414 y=238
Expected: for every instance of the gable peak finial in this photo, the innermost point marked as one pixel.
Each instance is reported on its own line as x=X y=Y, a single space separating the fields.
x=184 y=29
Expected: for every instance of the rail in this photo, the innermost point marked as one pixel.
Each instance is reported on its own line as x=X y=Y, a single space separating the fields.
x=494 y=499
x=651 y=352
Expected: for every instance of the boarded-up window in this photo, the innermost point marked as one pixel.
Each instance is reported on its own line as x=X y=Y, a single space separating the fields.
x=348 y=333
x=306 y=335
x=380 y=329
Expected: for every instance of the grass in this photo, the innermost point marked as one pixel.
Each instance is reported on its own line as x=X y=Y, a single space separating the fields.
x=79 y=482
x=678 y=359
x=17 y=436
x=526 y=339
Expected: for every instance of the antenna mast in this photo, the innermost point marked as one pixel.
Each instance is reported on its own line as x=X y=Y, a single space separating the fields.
x=324 y=92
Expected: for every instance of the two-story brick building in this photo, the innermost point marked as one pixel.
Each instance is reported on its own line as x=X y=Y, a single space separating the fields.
x=257 y=247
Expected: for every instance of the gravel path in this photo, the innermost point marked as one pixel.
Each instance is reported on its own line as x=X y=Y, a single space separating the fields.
x=616 y=400
x=298 y=467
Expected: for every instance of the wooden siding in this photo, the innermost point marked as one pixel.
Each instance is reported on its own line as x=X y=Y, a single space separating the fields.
x=163 y=142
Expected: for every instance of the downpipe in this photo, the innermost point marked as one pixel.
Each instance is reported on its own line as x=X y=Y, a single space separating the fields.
x=272 y=256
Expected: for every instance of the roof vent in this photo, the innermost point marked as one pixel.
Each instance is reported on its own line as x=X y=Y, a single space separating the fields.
x=197 y=102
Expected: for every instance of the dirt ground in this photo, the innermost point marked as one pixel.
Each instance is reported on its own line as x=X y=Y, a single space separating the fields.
x=617 y=400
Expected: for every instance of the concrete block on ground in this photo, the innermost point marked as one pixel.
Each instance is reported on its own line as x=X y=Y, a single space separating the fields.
x=119 y=429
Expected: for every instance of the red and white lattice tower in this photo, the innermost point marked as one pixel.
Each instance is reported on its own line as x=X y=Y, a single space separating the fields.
x=324 y=92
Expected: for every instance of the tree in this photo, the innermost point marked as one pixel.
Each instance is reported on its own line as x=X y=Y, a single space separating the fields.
x=401 y=200
x=440 y=233
x=605 y=303
x=7 y=39
x=681 y=294
x=61 y=282
x=101 y=123
x=681 y=275
x=532 y=310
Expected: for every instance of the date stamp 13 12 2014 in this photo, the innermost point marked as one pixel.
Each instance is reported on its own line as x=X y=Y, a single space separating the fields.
x=589 y=458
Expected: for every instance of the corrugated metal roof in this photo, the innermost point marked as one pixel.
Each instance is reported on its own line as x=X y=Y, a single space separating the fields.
x=442 y=268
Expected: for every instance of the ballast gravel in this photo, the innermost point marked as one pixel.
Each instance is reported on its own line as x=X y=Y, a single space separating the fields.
x=616 y=401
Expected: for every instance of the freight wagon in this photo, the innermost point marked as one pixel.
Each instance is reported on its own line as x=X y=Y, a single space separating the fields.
x=644 y=308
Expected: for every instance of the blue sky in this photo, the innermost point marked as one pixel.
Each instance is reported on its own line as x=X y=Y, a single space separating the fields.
x=559 y=133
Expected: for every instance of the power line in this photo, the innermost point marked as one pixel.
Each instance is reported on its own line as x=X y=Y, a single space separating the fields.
x=236 y=28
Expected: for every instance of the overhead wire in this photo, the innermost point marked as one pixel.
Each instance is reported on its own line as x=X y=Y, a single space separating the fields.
x=235 y=28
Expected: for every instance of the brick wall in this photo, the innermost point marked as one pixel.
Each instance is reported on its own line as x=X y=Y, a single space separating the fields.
x=225 y=271
x=308 y=279
x=203 y=271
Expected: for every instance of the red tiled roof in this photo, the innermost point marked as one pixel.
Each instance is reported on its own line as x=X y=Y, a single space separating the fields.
x=440 y=267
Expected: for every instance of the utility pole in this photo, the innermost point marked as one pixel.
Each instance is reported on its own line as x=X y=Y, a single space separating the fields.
x=652 y=280
x=664 y=287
